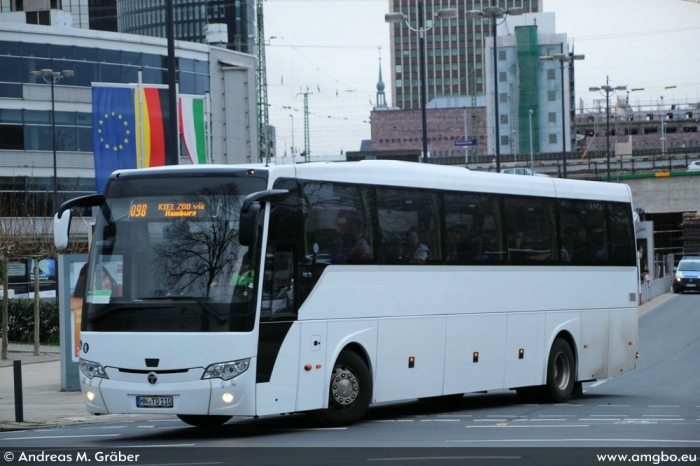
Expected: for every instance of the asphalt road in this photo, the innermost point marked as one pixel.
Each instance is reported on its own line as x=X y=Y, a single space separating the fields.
x=656 y=406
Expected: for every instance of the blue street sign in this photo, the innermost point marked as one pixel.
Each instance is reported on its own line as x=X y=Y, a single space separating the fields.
x=469 y=142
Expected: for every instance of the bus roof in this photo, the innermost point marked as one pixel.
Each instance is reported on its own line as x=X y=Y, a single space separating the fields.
x=411 y=174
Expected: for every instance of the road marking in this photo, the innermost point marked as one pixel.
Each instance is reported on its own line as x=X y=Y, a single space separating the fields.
x=393 y=420
x=606 y=419
x=616 y=406
x=544 y=419
x=608 y=415
x=61 y=436
x=105 y=427
x=439 y=420
x=664 y=406
x=577 y=440
x=527 y=427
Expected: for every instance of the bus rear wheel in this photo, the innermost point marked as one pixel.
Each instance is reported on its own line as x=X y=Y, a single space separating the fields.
x=204 y=422
x=561 y=372
x=350 y=392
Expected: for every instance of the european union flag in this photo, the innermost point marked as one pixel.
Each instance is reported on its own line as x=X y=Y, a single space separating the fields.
x=113 y=132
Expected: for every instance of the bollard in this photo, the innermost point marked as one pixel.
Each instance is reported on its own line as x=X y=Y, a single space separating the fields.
x=19 y=408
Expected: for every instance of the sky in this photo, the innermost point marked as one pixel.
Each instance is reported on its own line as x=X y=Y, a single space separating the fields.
x=330 y=49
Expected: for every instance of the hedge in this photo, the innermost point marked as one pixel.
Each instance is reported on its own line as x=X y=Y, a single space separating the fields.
x=21 y=321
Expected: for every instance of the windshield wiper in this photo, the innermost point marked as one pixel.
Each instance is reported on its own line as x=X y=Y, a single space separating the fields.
x=220 y=320
x=112 y=309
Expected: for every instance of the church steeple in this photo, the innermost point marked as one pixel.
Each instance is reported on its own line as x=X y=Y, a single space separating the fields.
x=381 y=98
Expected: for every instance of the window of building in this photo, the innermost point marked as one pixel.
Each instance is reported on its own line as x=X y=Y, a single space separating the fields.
x=502 y=76
x=503 y=97
x=553 y=138
x=552 y=117
x=501 y=55
x=550 y=74
x=505 y=140
x=504 y=119
x=551 y=96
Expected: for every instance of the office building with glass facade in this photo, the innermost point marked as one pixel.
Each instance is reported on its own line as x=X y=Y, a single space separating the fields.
x=455 y=49
x=26 y=137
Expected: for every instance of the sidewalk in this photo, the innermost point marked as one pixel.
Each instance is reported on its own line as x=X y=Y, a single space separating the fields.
x=45 y=405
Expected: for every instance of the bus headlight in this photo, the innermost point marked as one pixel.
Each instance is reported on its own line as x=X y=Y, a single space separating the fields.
x=92 y=369
x=226 y=370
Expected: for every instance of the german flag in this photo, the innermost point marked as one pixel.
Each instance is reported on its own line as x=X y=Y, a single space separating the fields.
x=152 y=118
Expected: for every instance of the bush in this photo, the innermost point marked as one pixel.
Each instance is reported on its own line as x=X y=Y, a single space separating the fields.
x=21 y=321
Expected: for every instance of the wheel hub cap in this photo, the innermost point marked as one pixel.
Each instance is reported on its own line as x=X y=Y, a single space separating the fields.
x=344 y=386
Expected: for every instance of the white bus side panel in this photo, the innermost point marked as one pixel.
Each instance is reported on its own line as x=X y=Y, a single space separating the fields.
x=279 y=395
x=623 y=341
x=523 y=334
x=466 y=335
x=422 y=338
x=593 y=348
x=312 y=353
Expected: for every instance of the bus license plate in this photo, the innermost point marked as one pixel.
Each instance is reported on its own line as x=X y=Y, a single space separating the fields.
x=154 y=401
x=690 y=285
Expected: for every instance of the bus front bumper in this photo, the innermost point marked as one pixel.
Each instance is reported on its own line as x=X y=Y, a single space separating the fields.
x=233 y=397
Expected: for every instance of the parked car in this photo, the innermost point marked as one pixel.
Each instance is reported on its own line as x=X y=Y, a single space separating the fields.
x=694 y=165
x=521 y=171
x=687 y=276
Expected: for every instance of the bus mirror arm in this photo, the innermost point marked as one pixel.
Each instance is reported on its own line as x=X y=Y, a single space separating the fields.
x=61 y=220
x=264 y=196
x=250 y=210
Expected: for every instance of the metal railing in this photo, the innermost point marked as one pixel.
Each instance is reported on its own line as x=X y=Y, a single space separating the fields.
x=652 y=289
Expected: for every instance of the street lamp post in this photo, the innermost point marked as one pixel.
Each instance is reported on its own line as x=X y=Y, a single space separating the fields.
x=532 y=163
x=493 y=13
x=445 y=13
x=52 y=77
x=562 y=58
x=607 y=89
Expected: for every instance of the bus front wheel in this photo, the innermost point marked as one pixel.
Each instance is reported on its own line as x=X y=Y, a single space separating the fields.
x=203 y=421
x=561 y=372
x=350 y=391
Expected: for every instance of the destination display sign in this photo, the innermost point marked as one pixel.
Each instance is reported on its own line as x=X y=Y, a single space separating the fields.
x=156 y=209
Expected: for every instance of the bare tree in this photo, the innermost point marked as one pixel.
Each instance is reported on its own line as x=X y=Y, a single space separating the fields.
x=23 y=236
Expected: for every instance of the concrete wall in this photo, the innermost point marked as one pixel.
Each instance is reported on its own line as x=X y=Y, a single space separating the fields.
x=666 y=194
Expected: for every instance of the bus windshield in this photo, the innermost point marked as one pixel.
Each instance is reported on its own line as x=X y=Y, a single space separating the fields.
x=168 y=259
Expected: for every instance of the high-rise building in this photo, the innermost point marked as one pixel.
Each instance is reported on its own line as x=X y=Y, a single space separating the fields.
x=455 y=49
x=190 y=19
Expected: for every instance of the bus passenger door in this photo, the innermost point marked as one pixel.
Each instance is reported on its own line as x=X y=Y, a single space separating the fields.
x=278 y=339
x=312 y=370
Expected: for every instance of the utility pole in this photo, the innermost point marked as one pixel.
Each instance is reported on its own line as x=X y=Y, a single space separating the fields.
x=263 y=117
x=307 y=145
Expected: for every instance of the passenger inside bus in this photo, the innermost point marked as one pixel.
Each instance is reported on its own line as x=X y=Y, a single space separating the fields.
x=414 y=251
x=359 y=248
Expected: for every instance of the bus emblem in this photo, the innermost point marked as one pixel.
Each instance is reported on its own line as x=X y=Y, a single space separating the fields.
x=152 y=378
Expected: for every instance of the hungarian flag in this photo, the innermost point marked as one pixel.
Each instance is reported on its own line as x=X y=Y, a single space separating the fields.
x=193 y=127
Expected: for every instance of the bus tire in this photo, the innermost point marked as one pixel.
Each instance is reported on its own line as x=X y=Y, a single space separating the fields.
x=350 y=392
x=204 y=422
x=561 y=372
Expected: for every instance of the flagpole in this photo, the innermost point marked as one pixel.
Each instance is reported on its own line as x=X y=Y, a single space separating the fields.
x=207 y=125
x=139 y=87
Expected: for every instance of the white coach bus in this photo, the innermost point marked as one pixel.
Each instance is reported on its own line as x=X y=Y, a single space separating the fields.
x=220 y=291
